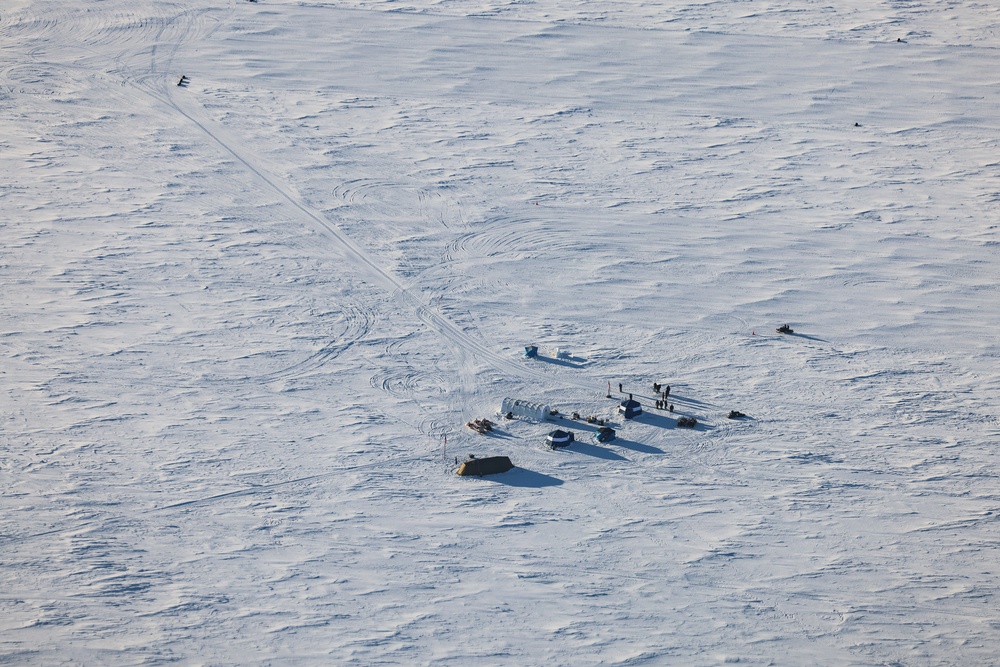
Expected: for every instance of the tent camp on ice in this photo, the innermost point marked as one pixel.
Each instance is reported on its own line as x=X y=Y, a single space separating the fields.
x=491 y=465
x=559 y=438
x=513 y=407
x=629 y=408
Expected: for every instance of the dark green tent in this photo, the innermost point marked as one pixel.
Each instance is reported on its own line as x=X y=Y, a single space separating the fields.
x=491 y=465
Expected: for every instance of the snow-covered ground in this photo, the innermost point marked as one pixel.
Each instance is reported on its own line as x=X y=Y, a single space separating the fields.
x=240 y=317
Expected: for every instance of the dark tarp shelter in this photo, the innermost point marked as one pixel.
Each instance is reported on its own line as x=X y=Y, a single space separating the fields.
x=491 y=465
x=629 y=409
x=558 y=438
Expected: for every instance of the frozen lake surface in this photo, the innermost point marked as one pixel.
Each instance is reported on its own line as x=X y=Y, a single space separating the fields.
x=245 y=320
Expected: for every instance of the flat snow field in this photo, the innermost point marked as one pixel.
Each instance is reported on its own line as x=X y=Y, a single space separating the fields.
x=245 y=319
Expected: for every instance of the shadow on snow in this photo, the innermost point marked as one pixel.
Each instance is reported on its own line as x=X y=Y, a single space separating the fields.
x=636 y=446
x=653 y=419
x=572 y=362
x=588 y=449
x=660 y=421
x=524 y=478
x=807 y=337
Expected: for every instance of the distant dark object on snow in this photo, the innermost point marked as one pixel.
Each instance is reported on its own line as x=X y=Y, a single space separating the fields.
x=785 y=329
x=736 y=414
x=559 y=438
x=481 y=425
x=687 y=422
x=530 y=351
x=491 y=465
x=183 y=81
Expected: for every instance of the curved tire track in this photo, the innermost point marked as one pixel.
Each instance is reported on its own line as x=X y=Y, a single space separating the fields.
x=358 y=324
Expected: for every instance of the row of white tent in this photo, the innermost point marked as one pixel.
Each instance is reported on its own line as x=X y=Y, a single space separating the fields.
x=525 y=409
x=515 y=407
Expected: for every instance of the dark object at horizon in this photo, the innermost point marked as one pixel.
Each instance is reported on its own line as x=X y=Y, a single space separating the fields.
x=687 y=422
x=491 y=465
x=785 y=329
x=736 y=414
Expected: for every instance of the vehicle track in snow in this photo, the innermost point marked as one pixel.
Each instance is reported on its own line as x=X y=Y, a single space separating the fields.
x=365 y=263
x=357 y=324
x=511 y=235
x=371 y=193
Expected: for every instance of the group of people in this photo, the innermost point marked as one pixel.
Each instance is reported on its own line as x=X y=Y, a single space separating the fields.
x=662 y=403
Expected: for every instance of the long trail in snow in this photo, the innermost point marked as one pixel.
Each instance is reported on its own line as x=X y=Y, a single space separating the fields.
x=365 y=262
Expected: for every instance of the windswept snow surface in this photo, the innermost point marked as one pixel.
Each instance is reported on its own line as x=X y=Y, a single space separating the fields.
x=240 y=317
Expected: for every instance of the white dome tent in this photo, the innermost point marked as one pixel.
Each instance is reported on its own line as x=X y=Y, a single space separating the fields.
x=525 y=409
